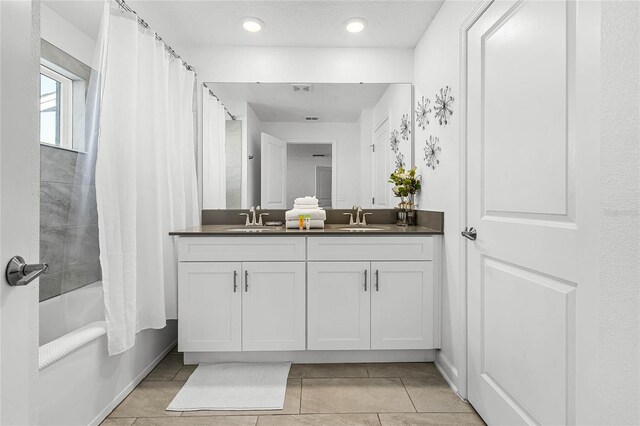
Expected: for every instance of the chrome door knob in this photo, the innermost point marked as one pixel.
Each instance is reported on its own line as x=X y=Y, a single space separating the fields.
x=20 y=273
x=470 y=234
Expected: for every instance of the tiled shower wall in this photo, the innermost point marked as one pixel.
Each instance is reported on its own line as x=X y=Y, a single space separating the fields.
x=68 y=221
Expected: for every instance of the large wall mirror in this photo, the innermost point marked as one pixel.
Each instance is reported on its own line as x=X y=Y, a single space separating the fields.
x=267 y=143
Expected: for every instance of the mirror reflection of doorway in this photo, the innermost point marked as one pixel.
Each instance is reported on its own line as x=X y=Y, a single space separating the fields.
x=289 y=170
x=303 y=160
x=323 y=186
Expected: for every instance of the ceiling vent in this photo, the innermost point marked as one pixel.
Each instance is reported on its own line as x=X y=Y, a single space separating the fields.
x=311 y=118
x=302 y=88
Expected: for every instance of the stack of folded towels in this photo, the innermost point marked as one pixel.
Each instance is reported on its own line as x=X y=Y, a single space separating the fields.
x=306 y=206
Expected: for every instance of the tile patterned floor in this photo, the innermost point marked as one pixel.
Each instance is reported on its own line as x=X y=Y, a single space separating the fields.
x=402 y=394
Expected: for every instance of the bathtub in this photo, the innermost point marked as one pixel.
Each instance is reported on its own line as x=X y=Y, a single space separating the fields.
x=79 y=383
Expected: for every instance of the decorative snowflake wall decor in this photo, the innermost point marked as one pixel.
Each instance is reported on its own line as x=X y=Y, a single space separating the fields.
x=399 y=160
x=442 y=106
x=394 y=141
x=432 y=152
x=422 y=111
x=405 y=127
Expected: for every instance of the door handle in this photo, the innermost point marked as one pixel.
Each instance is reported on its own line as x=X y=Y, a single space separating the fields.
x=235 y=281
x=470 y=234
x=19 y=273
x=365 y=280
x=377 y=280
x=246 y=281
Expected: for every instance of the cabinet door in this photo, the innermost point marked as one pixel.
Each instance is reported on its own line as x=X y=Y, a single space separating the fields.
x=209 y=306
x=402 y=305
x=339 y=305
x=273 y=306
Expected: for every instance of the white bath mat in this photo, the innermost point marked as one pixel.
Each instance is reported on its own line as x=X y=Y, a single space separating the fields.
x=234 y=386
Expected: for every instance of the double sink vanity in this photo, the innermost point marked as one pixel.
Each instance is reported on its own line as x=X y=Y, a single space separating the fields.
x=365 y=293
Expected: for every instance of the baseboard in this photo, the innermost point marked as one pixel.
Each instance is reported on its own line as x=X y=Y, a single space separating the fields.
x=448 y=371
x=129 y=388
x=313 y=356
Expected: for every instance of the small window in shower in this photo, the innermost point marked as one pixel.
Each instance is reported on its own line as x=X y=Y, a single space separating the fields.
x=56 y=121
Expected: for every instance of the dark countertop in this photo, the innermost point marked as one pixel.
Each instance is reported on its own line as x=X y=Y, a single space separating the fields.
x=329 y=229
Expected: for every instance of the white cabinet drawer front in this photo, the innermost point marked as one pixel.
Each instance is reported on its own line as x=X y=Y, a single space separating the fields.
x=338 y=305
x=262 y=248
x=273 y=306
x=209 y=307
x=370 y=248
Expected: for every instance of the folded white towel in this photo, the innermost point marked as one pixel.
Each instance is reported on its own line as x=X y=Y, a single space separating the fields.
x=314 y=224
x=305 y=207
x=316 y=214
x=313 y=201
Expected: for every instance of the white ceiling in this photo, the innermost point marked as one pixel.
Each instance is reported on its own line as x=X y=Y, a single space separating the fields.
x=276 y=102
x=320 y=23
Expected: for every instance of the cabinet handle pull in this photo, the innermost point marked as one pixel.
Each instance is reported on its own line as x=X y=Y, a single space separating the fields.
x=246 y=281
x=235 y=281
x=365 y=280
x=377 y=280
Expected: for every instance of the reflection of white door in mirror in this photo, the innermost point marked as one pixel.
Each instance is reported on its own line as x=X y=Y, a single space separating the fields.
x=380 y=165
x=323 y=186
x=273 y=172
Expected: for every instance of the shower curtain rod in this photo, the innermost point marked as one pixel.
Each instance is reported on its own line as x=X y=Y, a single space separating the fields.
x=233 y=117
x=143 y=23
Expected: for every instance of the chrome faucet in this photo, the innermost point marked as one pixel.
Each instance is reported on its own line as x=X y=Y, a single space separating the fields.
x=260 y=218
x=359 y=213
x=350 y=218
x=252 y=214
x=364 y=218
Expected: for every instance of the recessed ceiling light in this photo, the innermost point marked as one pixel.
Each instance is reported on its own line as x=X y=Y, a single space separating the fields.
x=355 y=25
x=251 y=24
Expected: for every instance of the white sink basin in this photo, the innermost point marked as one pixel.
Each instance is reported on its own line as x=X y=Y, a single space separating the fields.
x=250 y=229
x=362 y=229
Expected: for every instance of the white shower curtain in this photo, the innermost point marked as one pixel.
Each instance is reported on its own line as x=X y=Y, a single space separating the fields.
x=213 y=149
x=146 y=180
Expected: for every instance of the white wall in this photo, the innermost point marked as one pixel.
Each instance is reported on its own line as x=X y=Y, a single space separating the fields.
x=302 y=64
x=618 y=352
x=394 y=103
x=365 y=122
x=254 y=128
x=436 y=64
x=347 y=136
x=65 y=36
x=301 y=169
x=240 y=111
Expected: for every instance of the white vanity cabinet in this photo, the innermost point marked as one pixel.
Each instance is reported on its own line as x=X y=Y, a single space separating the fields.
x=255 y=303
x=390 y=302
x=403 y=305
x=339 y=305
x=209 y=306
x=273 y=306
x=315 y=293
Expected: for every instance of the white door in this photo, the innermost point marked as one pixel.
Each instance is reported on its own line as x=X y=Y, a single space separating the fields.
x=522 y=268
x=273 y=306
x=19 y=218
x=402 y=305
x=273 y=172
x=209 y=306
x=380 y=166
x=339 y=305
x=323 y=186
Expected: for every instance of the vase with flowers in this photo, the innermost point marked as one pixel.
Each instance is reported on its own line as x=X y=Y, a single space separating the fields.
x=406 y=184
